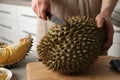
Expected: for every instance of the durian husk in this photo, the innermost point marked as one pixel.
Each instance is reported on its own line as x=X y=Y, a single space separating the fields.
x=2 y=44
x=14 y=53
x=72 y=48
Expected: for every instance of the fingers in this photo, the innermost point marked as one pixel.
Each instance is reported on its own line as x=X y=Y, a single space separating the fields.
x=43 y=12
x=35 y=7
x=40 y=7
x=38 y=11
x=100 y=20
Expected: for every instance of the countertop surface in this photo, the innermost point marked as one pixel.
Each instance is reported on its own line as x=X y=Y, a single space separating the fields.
x=19 y=69
x=101 y=70
x=17 y=2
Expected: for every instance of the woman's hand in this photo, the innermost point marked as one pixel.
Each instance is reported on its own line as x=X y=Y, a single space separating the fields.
x=40 y=7
x=103 y=19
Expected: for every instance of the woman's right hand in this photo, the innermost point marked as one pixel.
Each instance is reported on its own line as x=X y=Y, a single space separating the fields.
x=40 y=7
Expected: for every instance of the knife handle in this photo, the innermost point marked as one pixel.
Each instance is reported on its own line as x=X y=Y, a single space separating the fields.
x=48 y=14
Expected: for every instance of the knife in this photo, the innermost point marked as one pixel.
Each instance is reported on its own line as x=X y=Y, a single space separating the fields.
x=54 y=18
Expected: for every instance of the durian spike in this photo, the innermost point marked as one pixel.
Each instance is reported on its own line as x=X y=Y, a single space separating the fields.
x=14 y=53
x=2 y=44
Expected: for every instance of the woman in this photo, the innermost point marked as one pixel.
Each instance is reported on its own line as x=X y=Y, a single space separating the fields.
x=101 y=10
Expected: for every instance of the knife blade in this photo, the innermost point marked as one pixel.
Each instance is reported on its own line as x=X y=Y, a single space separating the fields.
x=55 y=19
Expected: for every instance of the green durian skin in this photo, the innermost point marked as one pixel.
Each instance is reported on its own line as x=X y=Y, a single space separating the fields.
x=73 y=47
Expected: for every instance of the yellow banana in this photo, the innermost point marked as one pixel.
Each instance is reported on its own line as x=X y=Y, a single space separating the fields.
x=11 y=54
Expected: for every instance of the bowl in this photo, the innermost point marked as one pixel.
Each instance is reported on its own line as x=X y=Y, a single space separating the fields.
x=7 y=72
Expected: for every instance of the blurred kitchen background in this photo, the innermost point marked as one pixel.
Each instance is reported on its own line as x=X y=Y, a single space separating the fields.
x=115 y=48
x=17 y=19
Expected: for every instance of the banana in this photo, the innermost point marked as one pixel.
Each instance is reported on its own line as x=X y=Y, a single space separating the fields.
x=11 y=54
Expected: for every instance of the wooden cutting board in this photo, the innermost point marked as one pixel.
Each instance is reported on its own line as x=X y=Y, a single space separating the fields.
x=101 y=70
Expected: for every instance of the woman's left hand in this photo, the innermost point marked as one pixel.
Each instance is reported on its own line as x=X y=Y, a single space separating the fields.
x=105 y=21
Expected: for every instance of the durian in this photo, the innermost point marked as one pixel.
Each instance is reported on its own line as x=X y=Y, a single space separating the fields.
x=73 y=47
x=2 y=44
x=11 y=54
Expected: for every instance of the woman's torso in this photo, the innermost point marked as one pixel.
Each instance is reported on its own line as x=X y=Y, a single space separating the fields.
x=64 y=8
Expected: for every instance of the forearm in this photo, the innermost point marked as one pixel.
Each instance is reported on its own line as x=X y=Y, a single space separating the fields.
x=108 y=6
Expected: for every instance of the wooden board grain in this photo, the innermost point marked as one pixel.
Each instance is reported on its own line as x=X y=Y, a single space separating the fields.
x=101 y=70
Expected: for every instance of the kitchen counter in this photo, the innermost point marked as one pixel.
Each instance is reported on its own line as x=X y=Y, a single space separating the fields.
x=17 y=2
x=101 y=70
x=19 y=69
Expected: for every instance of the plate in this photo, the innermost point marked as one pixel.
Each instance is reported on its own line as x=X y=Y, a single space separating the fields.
x=8 y=72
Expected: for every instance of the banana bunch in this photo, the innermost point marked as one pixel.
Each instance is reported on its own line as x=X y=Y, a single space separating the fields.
x=11 y=54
